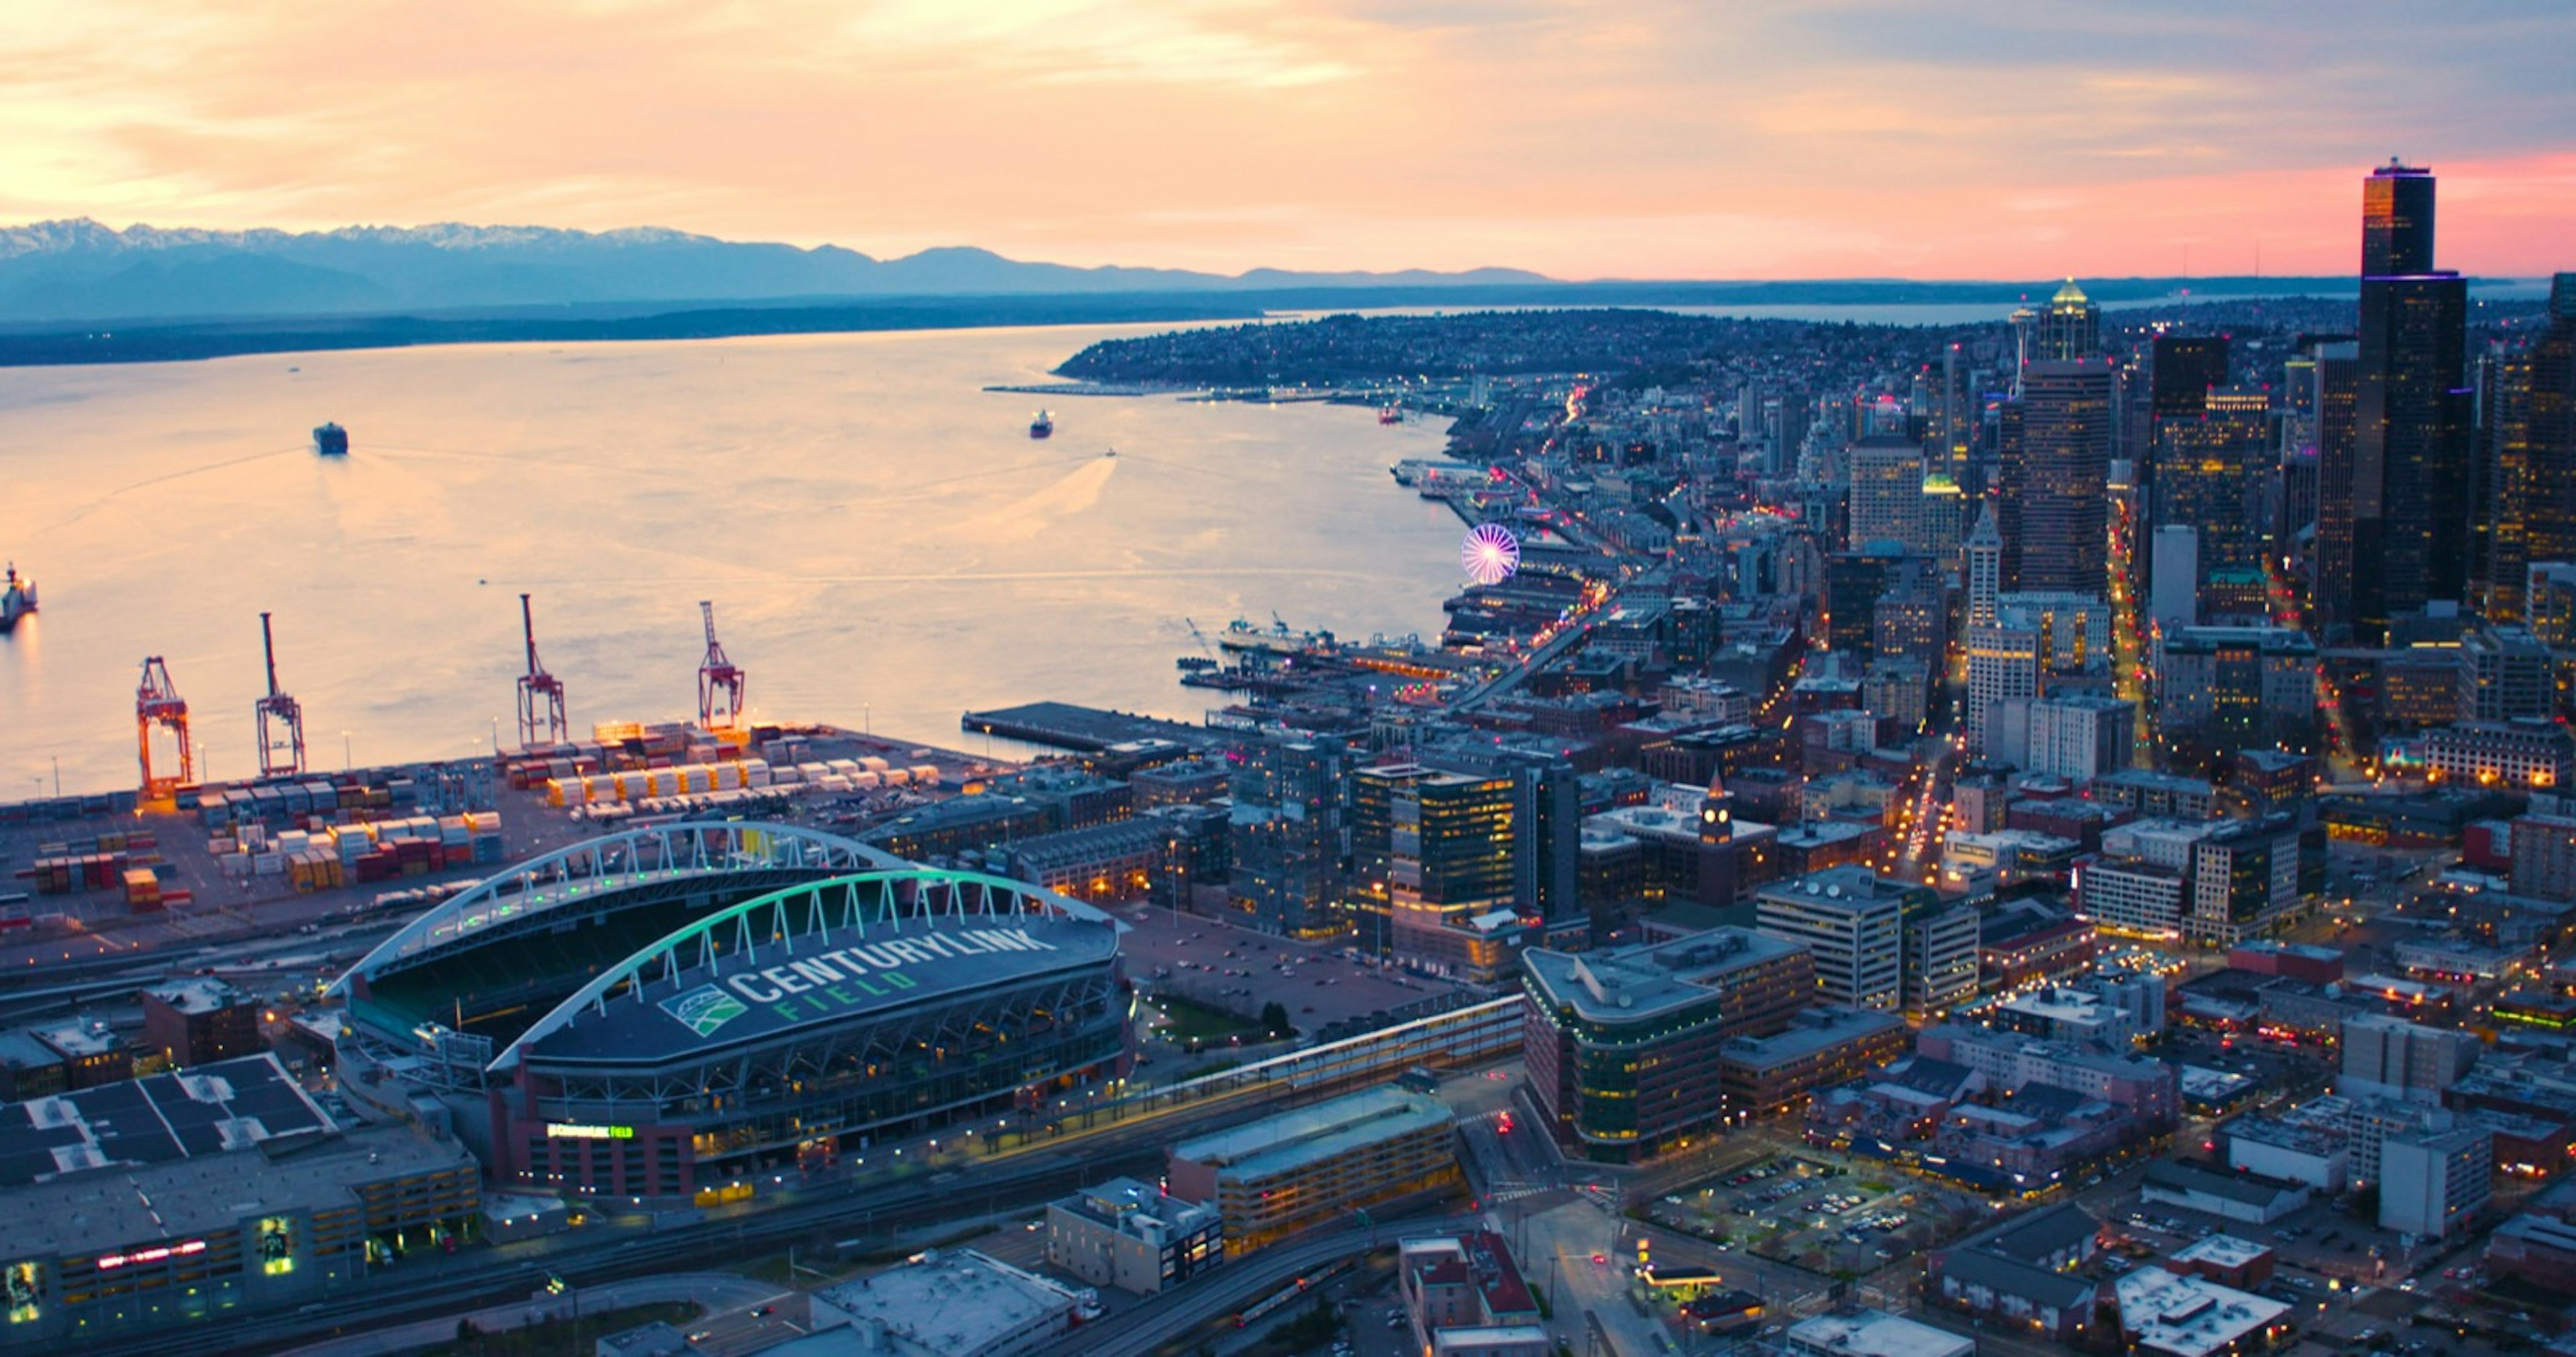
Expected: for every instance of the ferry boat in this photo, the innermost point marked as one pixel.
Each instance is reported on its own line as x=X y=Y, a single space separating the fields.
x=18 y=599
x=331 y=441
x=1043 y=426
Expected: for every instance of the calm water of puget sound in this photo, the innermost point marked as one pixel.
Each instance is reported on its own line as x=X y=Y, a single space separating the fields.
x=885 y=544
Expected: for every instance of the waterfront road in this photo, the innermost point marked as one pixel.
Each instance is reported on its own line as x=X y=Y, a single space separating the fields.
x=717 y=1291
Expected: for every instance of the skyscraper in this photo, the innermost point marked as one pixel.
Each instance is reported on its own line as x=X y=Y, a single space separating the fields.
x=1287 y=835
x=2071 y=328
x=2058 y=482
x=2499 y=520
x=1985 y=565
x=2209 y=477
x=2550 y=411
x=2181 y=372
x=2335 y=373
x=1885 y=478
x=2410 y=481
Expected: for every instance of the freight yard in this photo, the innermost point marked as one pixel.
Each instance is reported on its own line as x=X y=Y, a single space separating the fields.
x=109 y=877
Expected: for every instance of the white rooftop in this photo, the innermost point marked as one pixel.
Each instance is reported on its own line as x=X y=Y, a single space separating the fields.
x=2190 y=1316
x=959 y=1301
x=2222 y=1250
x=1871 y=1333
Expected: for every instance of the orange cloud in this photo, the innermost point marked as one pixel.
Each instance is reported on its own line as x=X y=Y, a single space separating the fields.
x=1659 y=138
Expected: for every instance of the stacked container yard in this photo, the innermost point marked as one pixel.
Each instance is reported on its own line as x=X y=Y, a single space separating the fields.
x=91 y=864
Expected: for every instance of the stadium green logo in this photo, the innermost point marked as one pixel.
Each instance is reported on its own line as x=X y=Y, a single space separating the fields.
x=704 y=1009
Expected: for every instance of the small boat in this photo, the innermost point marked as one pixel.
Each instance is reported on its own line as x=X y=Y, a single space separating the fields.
x=17 y=598
x=1043 y=426
x=331 y=441
x=1390 y=414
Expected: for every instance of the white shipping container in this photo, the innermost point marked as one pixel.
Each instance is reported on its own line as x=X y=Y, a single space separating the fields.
x=891 y=777
x=860 y=781
x=925 y=775
x=874 y=764
x=268 y=864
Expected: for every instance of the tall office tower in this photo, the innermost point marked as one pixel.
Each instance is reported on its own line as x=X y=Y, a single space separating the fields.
x=2337 y=376
x=1287 y=835
x=2071 y=328
x=1984 y=567
x=1955 y=417
x=1885 y=476
x=2003 y=663
x=1450 y=863
x=2410 y=475
x=2499 y=523
x=2012 y=468
x=2181 y=372
x=2209 y=478
x=1910 y=621
x=1547 y=818
x=2550 y=410
x=2059 y=482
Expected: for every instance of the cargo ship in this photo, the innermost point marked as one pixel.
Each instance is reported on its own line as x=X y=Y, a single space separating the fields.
x=331 y=441
x=1043 y=426
x=17 y=600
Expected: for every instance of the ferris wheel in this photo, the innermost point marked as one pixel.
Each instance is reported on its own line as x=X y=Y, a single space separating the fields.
x=1490 y=554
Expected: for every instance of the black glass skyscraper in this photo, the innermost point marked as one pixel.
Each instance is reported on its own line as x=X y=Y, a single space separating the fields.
x=2056 y=476
x=2549 y=412
x=2410 y=482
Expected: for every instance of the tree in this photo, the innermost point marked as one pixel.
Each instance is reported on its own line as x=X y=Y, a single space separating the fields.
x=1274 y=1019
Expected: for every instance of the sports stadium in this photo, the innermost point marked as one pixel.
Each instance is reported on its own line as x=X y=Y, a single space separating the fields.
x=666 y=1012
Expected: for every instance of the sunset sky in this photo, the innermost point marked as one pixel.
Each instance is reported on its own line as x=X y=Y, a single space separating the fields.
x=1702 y=139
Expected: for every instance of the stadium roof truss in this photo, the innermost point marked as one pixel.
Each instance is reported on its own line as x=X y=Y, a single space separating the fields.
x=588 y=871
x=883 y=899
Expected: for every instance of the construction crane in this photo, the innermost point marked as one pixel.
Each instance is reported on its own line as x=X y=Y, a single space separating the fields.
x=720 y=682
x=281 y=719
x=541 y=695
x=157 y=703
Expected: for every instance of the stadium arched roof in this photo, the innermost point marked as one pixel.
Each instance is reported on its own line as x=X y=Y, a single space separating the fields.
x=885 y=900
x=585 y=872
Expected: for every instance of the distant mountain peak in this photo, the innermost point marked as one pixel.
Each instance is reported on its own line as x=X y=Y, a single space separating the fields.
x=79 y=269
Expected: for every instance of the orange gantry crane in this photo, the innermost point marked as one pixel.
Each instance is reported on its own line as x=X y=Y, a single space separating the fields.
x=720 y=680
x=157 y=703
x=541 y=695
x=281 y=719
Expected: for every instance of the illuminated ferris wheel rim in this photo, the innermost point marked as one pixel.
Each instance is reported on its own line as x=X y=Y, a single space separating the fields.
x=1491 y=554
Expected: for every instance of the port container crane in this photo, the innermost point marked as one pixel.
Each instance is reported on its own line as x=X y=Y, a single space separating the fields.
x=541 y=695
x=720 y=681
x=157 y=703
x=281 y=719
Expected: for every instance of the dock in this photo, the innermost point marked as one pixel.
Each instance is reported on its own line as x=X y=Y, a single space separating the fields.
x=1083 y=730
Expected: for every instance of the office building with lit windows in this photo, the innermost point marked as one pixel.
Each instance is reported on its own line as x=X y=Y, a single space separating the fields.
x=1854 y=922
x=2209 y=475
x=1283 y=1173
x=2412 y=412
x=224 y=1190
x=2237 y=685
x=1625 y=1045
x=1450 y=873
x=1287 y=835
x=2056 y=466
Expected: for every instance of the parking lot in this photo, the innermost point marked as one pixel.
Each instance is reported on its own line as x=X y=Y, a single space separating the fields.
x=1217 y=964
x=1800 y=1209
